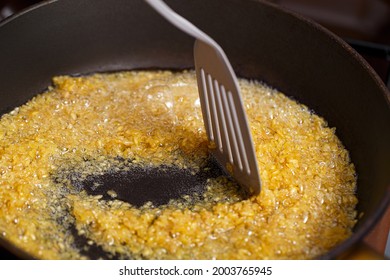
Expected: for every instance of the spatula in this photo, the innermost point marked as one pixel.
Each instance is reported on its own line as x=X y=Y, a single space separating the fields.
x=222 y=107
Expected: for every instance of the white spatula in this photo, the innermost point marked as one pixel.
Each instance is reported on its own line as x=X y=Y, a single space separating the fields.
x=222 y=107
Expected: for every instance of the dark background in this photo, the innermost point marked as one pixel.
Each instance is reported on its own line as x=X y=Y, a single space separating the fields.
x=363 y=23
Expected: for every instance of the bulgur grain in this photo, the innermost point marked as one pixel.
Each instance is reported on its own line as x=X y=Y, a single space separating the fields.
x=306 y=207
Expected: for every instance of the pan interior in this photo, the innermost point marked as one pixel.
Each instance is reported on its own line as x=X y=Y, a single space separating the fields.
x=139 y=185
x=96 y=167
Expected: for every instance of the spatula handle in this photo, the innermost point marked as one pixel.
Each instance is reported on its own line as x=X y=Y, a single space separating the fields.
x=180 y=22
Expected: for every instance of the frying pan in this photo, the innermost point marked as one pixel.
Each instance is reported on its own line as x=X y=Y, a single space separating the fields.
x=263 y=42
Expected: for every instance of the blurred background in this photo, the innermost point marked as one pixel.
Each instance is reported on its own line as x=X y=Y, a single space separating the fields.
x=364 y=24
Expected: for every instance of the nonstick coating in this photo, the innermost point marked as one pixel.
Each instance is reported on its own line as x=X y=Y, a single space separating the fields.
x=262 y=41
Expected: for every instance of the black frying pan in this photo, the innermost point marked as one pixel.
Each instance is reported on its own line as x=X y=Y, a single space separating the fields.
x=262 y=41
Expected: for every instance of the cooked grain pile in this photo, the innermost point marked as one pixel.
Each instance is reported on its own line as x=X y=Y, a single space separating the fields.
x=84 y=124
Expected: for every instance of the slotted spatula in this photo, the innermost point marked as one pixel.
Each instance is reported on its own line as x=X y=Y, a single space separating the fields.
x=222 y=107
